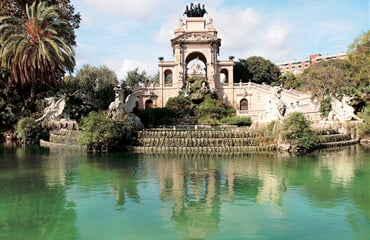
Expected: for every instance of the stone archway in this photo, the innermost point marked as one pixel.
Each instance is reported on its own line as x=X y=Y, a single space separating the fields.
x=196 y=64
x=148 y=104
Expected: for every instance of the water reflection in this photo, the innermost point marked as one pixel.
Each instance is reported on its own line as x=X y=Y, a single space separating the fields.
x=199 y=185
x=66 y=195
x=29 y=207
x=192 y=184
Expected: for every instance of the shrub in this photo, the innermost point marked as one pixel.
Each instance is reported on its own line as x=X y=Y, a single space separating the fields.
x=153 y=117
x=212 y=108
x=273 y=127
x=325 y=107
x=28 y=130
x=239 y=121
x=99 y=133
x=208 y=121
x=181 y=107
x=365 y=115
x=296 y=130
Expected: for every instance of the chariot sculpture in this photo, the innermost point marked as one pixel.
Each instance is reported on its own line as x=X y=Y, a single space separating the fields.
x=195 y=10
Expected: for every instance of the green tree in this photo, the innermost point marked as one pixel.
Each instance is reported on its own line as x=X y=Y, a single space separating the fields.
x=134 y=77
x=97 y=84
x=290 y=80
x=358 y=57
x=66 y=11
x=154 y=78
x=241 y=73
x=32 y=50
x=256 y=69
x=90 y=78
x=325 y=78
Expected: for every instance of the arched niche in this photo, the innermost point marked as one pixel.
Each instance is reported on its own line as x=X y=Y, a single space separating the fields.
x=243 y=105
x=148 y=104
x=224 y=76
x=168 y=77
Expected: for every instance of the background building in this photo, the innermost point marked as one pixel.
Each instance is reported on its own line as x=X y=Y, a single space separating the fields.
x=298 y=66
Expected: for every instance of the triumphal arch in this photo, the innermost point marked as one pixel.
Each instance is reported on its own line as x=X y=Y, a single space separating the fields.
x=196 y=47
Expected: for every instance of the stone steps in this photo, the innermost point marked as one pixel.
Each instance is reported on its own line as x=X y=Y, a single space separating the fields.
x=333 y=138
x=68 y=137
x=202 y=142
x=338 y=144
x=220 y=141
x=205 y=150
x=197 y=134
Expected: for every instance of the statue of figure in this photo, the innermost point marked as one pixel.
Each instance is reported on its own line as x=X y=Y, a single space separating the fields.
x=225 y=99
x=116 y=106
x=196 y=69
x=341 y=110
x=181 y=23
x=195 y=10
x=275 y=108
x=130 y=103
x=204 y=89
x=210 y=24
x=119 y=105
x=54 y=110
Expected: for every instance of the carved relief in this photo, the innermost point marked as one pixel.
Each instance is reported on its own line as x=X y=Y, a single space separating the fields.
x=196 y=37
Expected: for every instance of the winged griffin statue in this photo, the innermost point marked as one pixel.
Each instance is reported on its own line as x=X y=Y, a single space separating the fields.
x=275 y=108
x=341 y=110
x=119 y=105
x=54 y=110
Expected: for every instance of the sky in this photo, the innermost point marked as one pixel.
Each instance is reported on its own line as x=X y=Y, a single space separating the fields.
x=129 y=34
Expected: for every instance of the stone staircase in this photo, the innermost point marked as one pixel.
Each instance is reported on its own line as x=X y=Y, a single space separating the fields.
x=335 y=139
x=62 y=138
x=239 y=140
x=206 y=141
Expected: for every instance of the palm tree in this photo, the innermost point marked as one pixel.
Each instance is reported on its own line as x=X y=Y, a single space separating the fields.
x=32 y=50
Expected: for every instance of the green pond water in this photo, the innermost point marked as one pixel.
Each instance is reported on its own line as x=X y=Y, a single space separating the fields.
x=65 y=194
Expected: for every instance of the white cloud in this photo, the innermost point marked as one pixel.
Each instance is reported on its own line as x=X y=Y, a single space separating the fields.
x=167 y=29
x=244 y=32
x=122 y=66
x=237 y=27
x=128 y=8
x=83 y=55
x=125 y=34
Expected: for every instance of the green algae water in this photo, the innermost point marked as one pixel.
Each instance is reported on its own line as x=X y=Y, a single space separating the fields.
x=63 y=194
